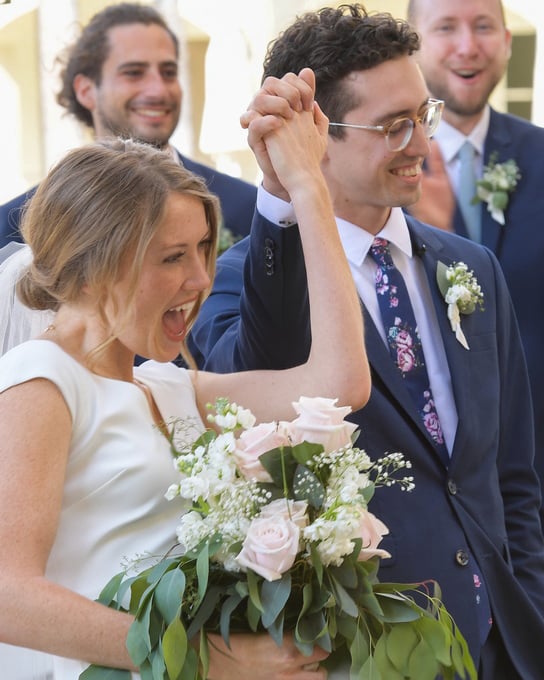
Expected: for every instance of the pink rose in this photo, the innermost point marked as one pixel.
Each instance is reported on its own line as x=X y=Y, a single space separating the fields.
x=371 y=530
x=254 y=442
x=406 y=359
x=270 y=547
x=321 y=422
x=288 y=509
x=404 y=338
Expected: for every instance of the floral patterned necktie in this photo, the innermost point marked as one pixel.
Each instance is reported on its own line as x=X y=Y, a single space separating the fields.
x=403 y=339
x=407 y=353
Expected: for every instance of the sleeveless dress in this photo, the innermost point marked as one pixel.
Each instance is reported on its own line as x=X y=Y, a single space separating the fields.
x=119 y=467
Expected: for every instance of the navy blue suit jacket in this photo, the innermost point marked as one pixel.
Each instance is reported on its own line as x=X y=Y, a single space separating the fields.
x=236 y=196
x=488 y=498
x=519 y=246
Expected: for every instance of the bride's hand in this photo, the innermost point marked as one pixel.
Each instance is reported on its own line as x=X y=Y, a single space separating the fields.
x=257 y=655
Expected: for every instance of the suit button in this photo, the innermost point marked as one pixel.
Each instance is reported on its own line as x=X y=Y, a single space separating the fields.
x=269 y=256
x=452 y=487
x=461 y=557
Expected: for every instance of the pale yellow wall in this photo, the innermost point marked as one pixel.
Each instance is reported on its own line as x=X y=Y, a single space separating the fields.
x=21 y=152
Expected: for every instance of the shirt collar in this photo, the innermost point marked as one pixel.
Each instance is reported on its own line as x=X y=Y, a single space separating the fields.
x=357 y=241
x=451 y=140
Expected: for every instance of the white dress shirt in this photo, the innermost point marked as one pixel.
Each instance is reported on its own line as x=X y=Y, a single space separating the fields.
x=356 y=242
x=451 y=140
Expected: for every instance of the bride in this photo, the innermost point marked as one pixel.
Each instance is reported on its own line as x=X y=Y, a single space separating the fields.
x=122 y=243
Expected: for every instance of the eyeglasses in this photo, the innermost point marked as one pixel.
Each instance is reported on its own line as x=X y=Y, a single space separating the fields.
x=398 y=132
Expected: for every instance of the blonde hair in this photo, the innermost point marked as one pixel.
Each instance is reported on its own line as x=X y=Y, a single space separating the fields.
x=99 y=205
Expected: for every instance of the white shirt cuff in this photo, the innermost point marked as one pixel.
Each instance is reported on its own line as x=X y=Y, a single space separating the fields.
x=275 y=209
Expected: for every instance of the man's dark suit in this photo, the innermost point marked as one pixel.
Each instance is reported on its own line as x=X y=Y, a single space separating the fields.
x=488 y=498
x=519 y=246
x=236 y=196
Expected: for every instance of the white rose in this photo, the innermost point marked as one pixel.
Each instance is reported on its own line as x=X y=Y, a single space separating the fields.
x=270 y=547
x=320 y=421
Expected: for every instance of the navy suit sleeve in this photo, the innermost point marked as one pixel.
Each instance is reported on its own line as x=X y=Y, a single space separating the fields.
x=257 y=314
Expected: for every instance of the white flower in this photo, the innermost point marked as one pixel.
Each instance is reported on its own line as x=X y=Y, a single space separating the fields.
x=461 y=292
x=498 y=180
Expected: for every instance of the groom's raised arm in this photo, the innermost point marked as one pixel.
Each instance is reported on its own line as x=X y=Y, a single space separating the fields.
x=257 y=315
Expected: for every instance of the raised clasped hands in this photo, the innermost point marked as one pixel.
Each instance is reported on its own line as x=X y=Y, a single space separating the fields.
x=287 y=132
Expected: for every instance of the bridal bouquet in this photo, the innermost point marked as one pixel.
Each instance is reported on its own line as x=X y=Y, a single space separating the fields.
x=277 y=538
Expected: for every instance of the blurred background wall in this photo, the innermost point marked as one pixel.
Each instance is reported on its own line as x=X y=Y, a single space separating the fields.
x=223 y=45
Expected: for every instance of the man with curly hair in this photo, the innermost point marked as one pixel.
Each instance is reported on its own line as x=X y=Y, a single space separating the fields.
x=472 y=521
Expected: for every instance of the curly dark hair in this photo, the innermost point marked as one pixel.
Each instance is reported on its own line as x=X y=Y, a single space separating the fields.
x=334 y=43
x=88 y=54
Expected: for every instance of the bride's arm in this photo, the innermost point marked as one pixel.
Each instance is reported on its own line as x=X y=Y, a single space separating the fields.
x=35 y=431
x=337 y=366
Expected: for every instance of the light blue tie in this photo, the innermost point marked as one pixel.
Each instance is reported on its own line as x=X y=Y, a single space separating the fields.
x=467 y=190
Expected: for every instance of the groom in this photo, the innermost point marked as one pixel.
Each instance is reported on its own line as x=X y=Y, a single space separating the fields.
x=472 y=521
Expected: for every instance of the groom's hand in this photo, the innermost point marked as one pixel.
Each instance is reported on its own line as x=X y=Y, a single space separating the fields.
x=278 y=100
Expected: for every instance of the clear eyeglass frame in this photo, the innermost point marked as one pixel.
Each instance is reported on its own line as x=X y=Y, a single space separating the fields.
x=398 y=132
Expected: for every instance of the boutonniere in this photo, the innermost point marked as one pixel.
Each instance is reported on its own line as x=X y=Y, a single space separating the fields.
x=461 y=292
x=497 y=182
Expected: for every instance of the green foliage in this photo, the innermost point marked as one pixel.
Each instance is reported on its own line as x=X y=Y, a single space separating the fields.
x=336 y=603
x=387 y=634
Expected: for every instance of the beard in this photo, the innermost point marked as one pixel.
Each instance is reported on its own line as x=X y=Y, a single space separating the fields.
x=461 y=106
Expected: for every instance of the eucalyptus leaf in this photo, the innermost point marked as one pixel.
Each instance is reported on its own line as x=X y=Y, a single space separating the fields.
x=280 y=465
x=396 y=610
x=274 y=596
x=158 y=667
x=203 y=570
x=102 y=673
x=343 y=599
x=383 y=663
x=359 y=650
x=174 y=644
x=401 y=642
x=275 y=629
x=192 y=665
x=146 y=672
x=138 y=642
x=228 y=606
x=253 y=585
x=157 y=572
x=422 y=664
x=311 y=628
x=169 y=594
x=206 y=609
x=369 y=671
x=438 y=638
x=108 y=593
x=253 y=614
x=305 y=451
x=345 y=574
x=308 y=487
x=441 y=278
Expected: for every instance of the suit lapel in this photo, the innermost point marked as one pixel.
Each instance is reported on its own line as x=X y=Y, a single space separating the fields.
x=498 y=141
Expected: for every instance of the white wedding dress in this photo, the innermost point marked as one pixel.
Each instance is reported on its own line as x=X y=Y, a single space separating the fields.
x=119 y=468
